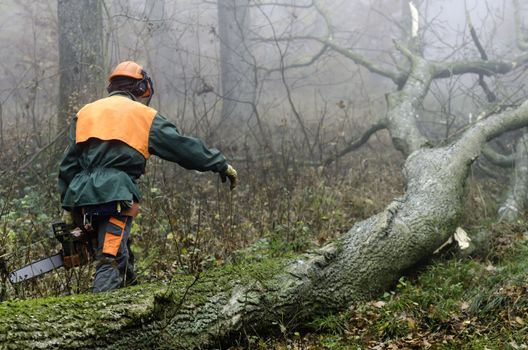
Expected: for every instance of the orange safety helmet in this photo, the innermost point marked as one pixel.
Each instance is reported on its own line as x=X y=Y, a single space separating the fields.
x=131 y=69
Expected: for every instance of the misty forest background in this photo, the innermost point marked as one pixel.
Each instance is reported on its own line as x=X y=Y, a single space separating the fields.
x=294 y=93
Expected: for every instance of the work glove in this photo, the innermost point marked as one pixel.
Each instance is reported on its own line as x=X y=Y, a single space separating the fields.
x=230 y=173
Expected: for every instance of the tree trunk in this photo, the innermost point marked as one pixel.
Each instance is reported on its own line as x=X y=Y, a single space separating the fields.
x=227 y=304
x=81 y=58
x=156 y=45
x=404 y=107
x=516 y=198
x=237 y=69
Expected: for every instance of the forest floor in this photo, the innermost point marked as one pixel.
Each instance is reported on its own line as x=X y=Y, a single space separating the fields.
x=454 y=302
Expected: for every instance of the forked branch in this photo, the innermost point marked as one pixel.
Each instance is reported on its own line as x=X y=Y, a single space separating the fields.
x=358 y=142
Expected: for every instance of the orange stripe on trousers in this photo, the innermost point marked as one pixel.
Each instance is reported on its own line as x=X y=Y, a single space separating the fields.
x=112 y=241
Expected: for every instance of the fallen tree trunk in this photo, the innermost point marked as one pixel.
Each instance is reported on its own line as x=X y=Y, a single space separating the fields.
x=225 y=304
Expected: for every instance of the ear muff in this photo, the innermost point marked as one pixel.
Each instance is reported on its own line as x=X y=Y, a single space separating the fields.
x=142 y=88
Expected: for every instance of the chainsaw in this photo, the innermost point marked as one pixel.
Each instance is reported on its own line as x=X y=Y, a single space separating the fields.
x=77 y=249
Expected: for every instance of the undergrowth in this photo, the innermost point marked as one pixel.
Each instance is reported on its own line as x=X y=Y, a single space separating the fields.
x=190 y=221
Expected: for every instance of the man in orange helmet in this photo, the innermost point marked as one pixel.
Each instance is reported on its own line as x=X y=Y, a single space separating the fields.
x=110 y=142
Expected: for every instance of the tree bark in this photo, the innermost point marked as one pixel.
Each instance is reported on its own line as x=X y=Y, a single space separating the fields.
x=404 y=108
x=81 y=58
x=226 y=304
x=517 y=196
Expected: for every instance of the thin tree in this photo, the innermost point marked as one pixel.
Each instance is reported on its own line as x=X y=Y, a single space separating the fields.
x=81 y=57
x=237 y=66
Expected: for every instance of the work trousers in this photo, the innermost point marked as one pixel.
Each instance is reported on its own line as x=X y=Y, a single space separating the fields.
x=113 y=257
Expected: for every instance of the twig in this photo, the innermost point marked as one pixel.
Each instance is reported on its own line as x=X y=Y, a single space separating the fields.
x=489 y=94
x=42 y=149
x=355 y=144
x=180 y=303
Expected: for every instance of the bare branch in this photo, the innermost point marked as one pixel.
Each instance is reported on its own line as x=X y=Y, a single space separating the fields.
x=499 y=159
x=308 y=63
x=259 y=4
x=288 y=91
x=362 y=61
x=329 y=43
x=495 y=125
x=487 y=68
x=405 y=51
x=43 y=148
x=475 y=38
x=358 y=142
x=489 y=94
x=311 y=4
x=349 y=53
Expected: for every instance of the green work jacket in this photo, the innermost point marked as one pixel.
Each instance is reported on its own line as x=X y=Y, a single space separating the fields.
x=99 y=167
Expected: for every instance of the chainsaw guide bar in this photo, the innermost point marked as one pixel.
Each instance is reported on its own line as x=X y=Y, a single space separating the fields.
x=36 y=268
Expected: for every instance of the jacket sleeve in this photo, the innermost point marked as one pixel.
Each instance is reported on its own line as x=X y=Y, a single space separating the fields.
x=69 y=165
x=166 y=142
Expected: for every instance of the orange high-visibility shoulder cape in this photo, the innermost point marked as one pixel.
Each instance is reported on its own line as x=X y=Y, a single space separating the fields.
x=116 y=118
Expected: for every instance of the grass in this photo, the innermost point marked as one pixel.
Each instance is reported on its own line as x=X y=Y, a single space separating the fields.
x=455 y=303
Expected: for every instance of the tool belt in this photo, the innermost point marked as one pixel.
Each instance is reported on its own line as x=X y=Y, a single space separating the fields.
x=109 y=209
x=82 y=216
x=127 y=208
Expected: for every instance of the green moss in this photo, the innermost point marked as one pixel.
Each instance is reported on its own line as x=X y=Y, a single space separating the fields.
x=154 y=306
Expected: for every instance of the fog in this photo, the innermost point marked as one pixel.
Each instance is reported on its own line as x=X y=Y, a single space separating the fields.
x=178 y=44
x=374 y=130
